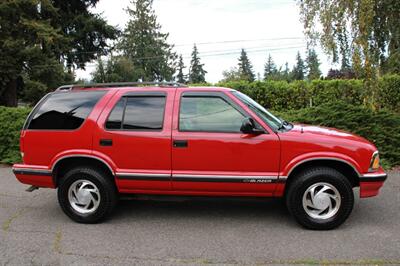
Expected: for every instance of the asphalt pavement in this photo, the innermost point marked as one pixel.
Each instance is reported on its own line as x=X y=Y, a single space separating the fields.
x=34 y=231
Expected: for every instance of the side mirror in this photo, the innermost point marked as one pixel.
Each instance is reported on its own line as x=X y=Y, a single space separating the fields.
x=249 y=127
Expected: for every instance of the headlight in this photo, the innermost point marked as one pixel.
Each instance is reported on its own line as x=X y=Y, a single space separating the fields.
x=374 y=162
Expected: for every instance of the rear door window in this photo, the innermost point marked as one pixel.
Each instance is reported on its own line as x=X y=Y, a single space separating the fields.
x=142 y=113
x=64 y=110
x=114 y=120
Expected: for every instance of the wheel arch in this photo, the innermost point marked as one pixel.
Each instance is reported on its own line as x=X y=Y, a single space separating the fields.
x=343 y=166
x=63 y=164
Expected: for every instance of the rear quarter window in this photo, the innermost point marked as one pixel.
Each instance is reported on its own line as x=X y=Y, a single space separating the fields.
x=64 y=110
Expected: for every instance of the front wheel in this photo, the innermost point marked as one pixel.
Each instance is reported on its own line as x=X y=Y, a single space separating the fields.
x=86 y=195
x=320 y=198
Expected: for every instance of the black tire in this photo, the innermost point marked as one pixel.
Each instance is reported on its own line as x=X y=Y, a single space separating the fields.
x=105 y=189
x=312 y=176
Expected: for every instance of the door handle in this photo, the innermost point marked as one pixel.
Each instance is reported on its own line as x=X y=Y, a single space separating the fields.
x=180 y=143
x=106 y=142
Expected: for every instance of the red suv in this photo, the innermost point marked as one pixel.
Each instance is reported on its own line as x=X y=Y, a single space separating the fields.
x=95 y=142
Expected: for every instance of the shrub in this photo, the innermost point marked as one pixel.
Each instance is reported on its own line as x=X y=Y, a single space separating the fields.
x=326 y=91
x=292 y=101
x=33 y=91
x=11 y=122
x=380 y=127
x=281 y=95
x=389 y=93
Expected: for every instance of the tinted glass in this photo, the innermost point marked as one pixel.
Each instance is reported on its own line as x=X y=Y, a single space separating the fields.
x=65 y=110
x=144 y=113
x=212 y=114
x=114 y=121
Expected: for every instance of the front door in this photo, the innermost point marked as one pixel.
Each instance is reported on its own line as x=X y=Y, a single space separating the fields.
x=211 y=154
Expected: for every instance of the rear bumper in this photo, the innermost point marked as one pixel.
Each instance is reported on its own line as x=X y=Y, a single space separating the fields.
x=33 y=175
x=371 y=183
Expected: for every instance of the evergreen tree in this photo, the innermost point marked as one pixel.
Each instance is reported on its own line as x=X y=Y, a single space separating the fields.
x=392 y=63
x=181 y=78
x=115 y=69
x=286 y=73
x=245 y=67
x=85 y=33
x=197 y=72
x=41 y=40
x=99 y=75
x=340 y=74
x=344 y=52
x=312 y=65
x=270 y=70
x=299 y=68
x=145 y=45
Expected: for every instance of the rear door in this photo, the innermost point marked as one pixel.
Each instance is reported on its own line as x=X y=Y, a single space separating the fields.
x=209 y=152
x=135 y=133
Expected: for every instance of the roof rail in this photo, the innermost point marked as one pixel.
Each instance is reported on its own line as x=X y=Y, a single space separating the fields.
x=119 y=84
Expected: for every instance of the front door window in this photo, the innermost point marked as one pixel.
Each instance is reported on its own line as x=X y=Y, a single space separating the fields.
x=208 y=114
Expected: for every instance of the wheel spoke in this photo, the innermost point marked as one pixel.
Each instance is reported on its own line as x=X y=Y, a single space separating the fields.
x=87 y=204
x=322 y=190
x=74 y=200
x=334 y=197
x=310 y=204
x=84 y=184
x=73 y=194
x=321 y=211
x=76 y=191
x=330 y=205
x=93 y=190
x=312 y=194
x=92 y=199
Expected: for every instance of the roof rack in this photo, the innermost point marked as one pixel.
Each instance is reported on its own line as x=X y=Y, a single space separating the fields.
x=119 y=84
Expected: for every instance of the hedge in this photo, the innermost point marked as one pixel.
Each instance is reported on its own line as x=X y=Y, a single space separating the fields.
x=333 y=103
x=281 y=95
x=380 y=127
x=11 y=122
x=389 y=95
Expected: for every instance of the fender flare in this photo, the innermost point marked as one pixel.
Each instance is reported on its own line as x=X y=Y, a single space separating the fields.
x=85 y=154
x=304 y=158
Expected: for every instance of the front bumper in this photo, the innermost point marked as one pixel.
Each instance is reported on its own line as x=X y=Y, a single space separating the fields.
x=371 y=183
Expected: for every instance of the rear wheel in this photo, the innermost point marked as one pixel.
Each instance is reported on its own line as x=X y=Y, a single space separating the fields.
x=320 y=198
x=86 y=195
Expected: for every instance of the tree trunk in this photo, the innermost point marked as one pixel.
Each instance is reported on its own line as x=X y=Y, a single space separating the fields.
x=9 y=96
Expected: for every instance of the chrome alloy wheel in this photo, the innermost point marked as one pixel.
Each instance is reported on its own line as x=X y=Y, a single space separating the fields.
x=84 y=196
x=321 y=201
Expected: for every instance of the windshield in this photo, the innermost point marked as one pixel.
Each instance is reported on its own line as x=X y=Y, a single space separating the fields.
x=266 y=116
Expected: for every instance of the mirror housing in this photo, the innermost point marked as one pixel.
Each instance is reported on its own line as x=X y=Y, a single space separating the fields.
x=249 y=127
